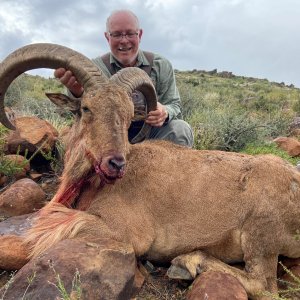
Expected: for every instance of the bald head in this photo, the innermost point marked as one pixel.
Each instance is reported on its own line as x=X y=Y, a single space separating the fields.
x=121 y=14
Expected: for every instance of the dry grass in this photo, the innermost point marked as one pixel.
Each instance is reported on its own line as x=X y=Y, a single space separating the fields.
x=159 y=287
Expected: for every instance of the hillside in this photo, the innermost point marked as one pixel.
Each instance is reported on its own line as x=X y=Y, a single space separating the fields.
x=227 y=112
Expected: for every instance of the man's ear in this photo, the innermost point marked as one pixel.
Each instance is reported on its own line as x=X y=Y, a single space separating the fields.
x=106 y=36
x=63 y=101
x=140 y=33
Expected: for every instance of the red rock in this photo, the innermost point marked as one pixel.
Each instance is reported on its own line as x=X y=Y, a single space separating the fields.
x=30 y=134
x=13 y=253
x=216 y=286
x=288 y=144
x=23 y=197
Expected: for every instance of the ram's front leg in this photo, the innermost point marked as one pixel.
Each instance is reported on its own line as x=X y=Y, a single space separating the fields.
x=255 y=283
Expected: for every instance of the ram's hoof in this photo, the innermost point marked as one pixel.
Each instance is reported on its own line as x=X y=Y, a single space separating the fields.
x=177 y=272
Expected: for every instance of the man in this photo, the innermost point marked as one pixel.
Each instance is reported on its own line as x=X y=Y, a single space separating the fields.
x=124 y=34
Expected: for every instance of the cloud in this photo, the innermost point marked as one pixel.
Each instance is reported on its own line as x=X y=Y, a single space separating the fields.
x=251 y=38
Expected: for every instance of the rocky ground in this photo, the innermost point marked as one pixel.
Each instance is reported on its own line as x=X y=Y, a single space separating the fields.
x=155 y=287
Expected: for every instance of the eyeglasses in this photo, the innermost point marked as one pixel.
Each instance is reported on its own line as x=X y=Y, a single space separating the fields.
x=128 y=35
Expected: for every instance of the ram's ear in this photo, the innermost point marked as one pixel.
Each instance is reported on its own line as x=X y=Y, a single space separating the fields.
x=63 y=101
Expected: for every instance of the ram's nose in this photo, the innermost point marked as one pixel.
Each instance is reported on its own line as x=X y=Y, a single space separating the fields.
x=117 y=163
x=113 y=166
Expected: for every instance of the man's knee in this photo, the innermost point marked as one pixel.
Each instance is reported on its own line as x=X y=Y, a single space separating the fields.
x=183 y=133
x=177 y=131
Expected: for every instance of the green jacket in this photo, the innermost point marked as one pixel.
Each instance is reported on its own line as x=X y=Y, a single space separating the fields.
x=163 y=77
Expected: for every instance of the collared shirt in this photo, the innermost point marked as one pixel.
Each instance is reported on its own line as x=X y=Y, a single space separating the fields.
x=162 y=76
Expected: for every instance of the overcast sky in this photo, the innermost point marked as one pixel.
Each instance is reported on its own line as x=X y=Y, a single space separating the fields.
x=258 y=38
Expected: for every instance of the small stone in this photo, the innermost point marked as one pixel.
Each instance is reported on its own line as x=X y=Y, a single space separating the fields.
x=23 y=197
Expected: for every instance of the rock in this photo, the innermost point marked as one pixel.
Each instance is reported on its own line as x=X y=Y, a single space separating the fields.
x=35 y=176
x=106 y=269
x=295 y=132
x=213 y=285
x=3 y=180
x=138 y=282
x=16 y=225
x=30 y=134
x=22 y=197
x=13 y=253
x=290 y=145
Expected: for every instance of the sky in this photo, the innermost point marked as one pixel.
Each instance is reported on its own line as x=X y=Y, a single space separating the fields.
x=253 y=38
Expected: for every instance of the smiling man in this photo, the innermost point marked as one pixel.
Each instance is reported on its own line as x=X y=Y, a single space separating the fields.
x=124 y=34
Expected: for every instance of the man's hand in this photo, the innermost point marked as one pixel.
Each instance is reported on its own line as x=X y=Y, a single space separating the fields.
x=157 y=117
x=67 y=78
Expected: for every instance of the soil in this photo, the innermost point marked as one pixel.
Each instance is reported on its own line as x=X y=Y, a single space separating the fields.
x=159 y=286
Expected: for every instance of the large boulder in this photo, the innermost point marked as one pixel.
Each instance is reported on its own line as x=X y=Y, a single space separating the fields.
x=104 y=269
x=23 y=197
x=31 y=134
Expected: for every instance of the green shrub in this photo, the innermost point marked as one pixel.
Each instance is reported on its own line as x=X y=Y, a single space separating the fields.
x=227 y=114
x=8 y=167
x=269 y=148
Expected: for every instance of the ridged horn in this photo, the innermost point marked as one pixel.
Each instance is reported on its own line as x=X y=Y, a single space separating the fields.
x=135 y=79
x=45 y=55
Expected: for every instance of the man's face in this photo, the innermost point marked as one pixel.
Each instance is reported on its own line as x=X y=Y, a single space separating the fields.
x=124 y=48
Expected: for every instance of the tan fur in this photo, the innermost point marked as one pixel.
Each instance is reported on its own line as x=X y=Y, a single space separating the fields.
x=53 y=225
x=173 y=200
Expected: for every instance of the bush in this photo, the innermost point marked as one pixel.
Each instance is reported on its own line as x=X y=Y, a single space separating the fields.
x=228 y=114
x=8 y=167
x=269 y=148
x=46 y=110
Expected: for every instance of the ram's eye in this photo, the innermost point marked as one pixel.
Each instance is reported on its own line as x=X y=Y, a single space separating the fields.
x=85 y=109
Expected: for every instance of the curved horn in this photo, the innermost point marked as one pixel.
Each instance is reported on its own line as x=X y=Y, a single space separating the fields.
x=135 y=79
x=45 y=55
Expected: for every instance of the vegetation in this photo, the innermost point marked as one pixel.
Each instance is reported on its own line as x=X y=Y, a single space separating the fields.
x=74 y=294
x=227 y=112
x=8 y=167
x=76 y=290
x=26 y=95
x=26 y=87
